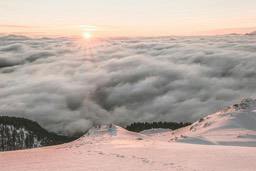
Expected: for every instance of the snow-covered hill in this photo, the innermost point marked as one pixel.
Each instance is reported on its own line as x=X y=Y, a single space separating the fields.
x=105 y=134
x=112 y=148
x=233 y=126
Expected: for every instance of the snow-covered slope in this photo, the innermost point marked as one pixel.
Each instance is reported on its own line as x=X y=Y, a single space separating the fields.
x=109 y=131
x=235 y=125
x=111 y=148
x=155 y=131
x=158 y=133
x=106 y=134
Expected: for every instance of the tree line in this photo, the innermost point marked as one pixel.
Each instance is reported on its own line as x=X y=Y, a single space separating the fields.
x=20 y=133
x=141 y=126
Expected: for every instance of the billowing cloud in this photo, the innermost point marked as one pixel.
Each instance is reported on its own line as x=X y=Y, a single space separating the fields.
x=68 y=85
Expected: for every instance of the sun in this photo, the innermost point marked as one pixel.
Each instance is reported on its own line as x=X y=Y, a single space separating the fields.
x=87 y=35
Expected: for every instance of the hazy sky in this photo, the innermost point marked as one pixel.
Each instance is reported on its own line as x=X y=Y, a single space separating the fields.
x=127 y=17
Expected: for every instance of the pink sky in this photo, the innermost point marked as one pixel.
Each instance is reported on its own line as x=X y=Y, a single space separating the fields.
x=127 y=17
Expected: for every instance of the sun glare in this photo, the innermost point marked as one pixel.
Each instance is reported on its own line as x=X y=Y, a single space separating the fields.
x=87 y=35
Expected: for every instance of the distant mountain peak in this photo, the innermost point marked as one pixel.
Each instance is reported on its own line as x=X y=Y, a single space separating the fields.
x=251 y=33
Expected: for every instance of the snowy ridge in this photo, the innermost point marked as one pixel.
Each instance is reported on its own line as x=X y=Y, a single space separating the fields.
x=110 y=130
x=100 y=130
x=235 y=126
x=106 y=134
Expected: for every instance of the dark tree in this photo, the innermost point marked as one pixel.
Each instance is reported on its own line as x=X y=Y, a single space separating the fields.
x=141 y=126
x=20 y=133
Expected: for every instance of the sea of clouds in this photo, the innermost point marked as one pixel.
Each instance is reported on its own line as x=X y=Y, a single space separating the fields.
x=67 y=84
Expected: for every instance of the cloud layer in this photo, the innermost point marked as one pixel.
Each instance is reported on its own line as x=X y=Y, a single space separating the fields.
x=67 y=84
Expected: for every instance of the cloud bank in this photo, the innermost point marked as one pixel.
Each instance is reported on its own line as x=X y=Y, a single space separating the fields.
x=68 y=85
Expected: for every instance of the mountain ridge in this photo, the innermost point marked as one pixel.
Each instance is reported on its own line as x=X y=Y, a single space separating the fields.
x=251 y=33
x=233 y=126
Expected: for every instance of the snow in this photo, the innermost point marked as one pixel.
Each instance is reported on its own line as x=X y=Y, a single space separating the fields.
x=155 y=131
x=233 y=126
x=114 y=153
x=225 y=140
